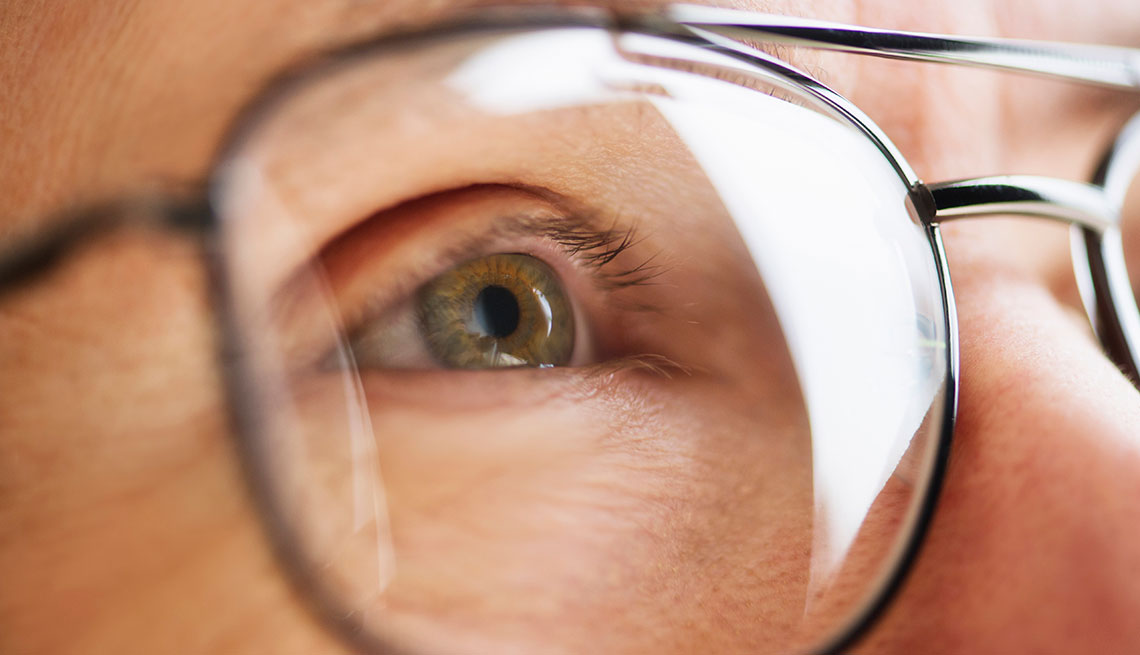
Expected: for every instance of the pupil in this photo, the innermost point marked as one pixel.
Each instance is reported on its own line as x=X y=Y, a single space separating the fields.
x=497 y=311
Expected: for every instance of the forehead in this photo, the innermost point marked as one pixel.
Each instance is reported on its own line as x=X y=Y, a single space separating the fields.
x=101 y=97
x=104 y=97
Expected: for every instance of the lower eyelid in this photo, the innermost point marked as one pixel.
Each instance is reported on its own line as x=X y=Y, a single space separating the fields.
x=626 y=381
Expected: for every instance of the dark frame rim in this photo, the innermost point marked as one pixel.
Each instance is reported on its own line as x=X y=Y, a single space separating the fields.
x=1104 y=280
x=241 y=390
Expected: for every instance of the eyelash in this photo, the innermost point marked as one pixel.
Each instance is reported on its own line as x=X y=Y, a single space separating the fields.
x=598 y=249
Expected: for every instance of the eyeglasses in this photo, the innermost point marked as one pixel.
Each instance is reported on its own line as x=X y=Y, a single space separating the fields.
x=571 y=313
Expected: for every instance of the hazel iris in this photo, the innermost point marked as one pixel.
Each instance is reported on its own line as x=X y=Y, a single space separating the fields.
x=495 y=311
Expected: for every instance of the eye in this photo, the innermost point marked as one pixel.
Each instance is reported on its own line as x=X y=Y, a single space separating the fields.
x=493 y=278
x=496 y=311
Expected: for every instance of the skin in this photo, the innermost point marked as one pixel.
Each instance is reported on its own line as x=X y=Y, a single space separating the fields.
x=124 y=523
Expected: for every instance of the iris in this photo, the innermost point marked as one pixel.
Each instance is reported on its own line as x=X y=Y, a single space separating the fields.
x=495 y=311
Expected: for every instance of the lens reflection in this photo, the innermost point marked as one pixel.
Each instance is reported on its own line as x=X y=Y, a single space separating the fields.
x=1130 y=230
x=735 y=454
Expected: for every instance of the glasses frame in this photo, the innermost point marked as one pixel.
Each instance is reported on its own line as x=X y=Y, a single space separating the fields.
x=1092 y=209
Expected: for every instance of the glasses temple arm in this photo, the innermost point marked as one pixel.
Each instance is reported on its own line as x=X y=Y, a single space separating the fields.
x=1076 y=203
x=1105 y=65
x=1104 y=284
x=39 y=253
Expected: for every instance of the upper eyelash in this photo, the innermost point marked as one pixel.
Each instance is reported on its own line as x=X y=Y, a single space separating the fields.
x=599 y=248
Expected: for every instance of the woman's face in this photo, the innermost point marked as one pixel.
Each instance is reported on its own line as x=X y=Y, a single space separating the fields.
x=124 y=522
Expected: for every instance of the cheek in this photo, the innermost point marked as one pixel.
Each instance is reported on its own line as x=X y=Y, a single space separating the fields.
x=122 y=511
x=665 y=515
x=1033 y=546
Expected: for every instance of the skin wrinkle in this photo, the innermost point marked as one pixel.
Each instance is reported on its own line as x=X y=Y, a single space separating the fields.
x=1029 y=551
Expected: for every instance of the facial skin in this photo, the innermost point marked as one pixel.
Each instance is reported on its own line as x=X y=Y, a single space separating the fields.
x=124 y=523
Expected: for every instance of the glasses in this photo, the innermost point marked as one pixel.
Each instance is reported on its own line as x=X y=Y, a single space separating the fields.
x=554 y=313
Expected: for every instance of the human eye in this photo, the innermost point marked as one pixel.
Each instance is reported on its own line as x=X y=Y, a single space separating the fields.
x=505 y=278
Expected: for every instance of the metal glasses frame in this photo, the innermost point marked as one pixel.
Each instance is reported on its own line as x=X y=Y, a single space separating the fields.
x=1093 y=209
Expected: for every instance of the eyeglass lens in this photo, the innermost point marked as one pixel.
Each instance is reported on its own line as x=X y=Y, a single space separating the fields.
x=561 y=320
